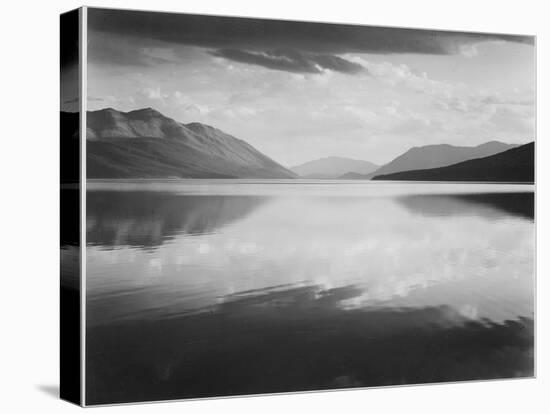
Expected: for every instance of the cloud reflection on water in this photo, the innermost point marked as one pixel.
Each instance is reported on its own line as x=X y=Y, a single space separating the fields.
x=212 y=246
x=297 y=339
x=287 y=290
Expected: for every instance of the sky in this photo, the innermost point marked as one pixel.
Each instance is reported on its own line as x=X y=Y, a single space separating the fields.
x=299 y=91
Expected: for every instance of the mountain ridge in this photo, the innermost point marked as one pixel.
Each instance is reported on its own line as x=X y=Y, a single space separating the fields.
x=514 y=165
x=438 y=155
x=333 y=167
x=144 y=143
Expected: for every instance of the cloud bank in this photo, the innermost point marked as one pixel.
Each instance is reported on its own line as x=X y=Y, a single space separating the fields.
x=291 y=61
x=297 y=47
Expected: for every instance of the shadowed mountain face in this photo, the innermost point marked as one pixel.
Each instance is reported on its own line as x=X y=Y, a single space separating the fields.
x=514 y=165
x=433 y=156
x=146 y=144
x=148 y=219
x=333 y=167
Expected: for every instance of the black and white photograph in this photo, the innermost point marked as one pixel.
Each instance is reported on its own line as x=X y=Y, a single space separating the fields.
x=280 y=206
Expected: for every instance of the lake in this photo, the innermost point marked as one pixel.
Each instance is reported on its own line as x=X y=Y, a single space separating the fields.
x=201 y=288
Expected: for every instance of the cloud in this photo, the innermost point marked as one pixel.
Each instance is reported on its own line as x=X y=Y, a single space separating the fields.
x=402 y=75
x=337 y=64
x=145 y=38
x=469 y=50
x=127 y=51
x=291 y=61
x=480 y=103
x=513 y=121
x=175 y=104
x=519 y=101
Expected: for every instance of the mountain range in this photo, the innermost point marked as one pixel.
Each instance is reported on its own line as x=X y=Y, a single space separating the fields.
x=513 y=165
x=333 y=167
x=434 y=156
x=146 y=144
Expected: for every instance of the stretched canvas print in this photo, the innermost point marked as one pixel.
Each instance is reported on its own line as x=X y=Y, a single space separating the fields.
x=254 y=206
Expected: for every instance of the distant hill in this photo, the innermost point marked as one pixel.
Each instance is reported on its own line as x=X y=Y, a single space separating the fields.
x=146 y=144
x=333 y=167
x=440 y=155
x=354 y=176
x=514 y=165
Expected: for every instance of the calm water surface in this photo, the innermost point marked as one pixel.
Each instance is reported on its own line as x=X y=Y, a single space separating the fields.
x=204 y=288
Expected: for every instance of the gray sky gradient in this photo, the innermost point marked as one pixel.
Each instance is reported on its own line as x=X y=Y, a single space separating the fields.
x=299 y=91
